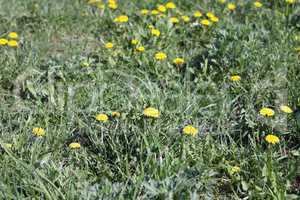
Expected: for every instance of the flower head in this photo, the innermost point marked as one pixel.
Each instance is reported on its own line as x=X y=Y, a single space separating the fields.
x=115 y=114
x=190 y=130
x=197 y=14
x=272 y=139
x=174 y=20
x=39 y=132
x=12 y=43
x=258 y=4
x=286 y=109
x=214 y=19
x=140 y=49
x=160 y=56
x=155 y=32
x=121 y=19
x=102 y=117
x=13 y=35
x=109 y=45
x=170 y=5
x=134 y=42
x=178 y=61
x=290 y=1
x=144 y=11
x=210 y=14
x=235 y=170
x=185 y=18
x=151 y=112
x=205 y=22
x=161 y=8
x=267 y=112
x=235 y=78
x=74 y=145
x=3 y=41
x=231 y=6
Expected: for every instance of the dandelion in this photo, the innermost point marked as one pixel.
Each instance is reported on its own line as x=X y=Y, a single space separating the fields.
x=113 y=6
x=210 y=14
x=140 y=49
x=286 y=109
x=267 y=112
x=151 y=112
x=160 y=56
x=205 y=22
x=178 y=61
x=74 y=145
x=170 y=5
x=174 y=20
x=134 y=42
x=214 y=19
x=222 y=1
x=231 y=6
x=144 y=11
x=258 y=4
x=3 y=41
x=197 y=14
x=121 y=19
x=38 y=131
x=290 y=1
x=109 y=45
x=12 y=43
x=190 y=130
x=235 y=170
x=235 y=78
x=161 y=8
x=102 y=117
x=185 y=18
x=155 y=32
x=13 y=35
x=115 y=114
x=154 y=12
x=272 y=139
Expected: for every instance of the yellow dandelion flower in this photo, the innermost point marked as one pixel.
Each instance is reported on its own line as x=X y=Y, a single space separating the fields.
x=3 y=41
x=205 y=22
x=235 y=170
x=113 y=6
x=178 y=61
x=12 y=43
x=154 y=12
x=235 y=78
x=160 y=56
x=197 y=14
x=190 y=130
x=185 y=18
x=210 y=14
x=174 y=20
x=115 y=114
x=121 y=19
x=231 y=6
x=101 y=117
x=134 y=41
x=140 y=49
x=272 y=139
x=144 y=11
x=13 y=35
x=170 y=5
x=286 y=109
x=151 y=112
x=161 y=8
x=109 y=45
x=74 y=145
x=222 y=1
x=39 y=132
x=267 y=112
x=214 y=19
x=100 y=6
x=290 y=1
x=258 y=4
x=155 y=32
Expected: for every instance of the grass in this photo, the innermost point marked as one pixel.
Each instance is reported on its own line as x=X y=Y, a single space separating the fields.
x=61 y=76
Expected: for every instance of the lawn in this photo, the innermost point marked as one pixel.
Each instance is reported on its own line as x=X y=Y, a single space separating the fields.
x=149 y=99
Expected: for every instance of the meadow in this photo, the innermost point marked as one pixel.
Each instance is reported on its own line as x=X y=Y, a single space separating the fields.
x=149 y=99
